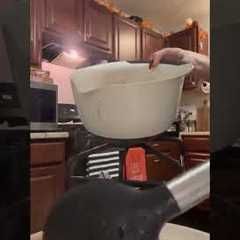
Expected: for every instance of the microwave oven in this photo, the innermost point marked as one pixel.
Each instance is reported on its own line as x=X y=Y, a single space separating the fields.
x=44 y=106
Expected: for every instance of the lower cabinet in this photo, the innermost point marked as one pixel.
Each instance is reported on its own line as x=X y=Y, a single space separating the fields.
x=159 y=169
x=47 y=180
x=196 y=150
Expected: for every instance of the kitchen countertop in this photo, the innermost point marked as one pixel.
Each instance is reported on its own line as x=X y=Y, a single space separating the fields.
x=49 y=135
x=195 y=134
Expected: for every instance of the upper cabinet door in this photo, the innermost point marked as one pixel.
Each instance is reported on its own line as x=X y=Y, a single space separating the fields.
x=37 y=18
x=151 y=42
x=98 y=23
x=65 y=16
x=127 y=39
x=186 y=39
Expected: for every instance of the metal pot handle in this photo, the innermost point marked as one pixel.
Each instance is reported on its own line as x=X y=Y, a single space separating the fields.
x=192 y=187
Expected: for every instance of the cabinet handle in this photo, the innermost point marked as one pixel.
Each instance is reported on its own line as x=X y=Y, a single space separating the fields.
x=199 y=160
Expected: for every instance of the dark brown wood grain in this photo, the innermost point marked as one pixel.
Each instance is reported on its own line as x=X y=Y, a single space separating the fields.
x=37 y=23
x=187 y=39
x=98 y=22
x=64 y=16
x=196 y=144
x=47 y=153
x=47 y=185
x=127 y=39
x=151 y=42
x=157 y=168
x=171 y=147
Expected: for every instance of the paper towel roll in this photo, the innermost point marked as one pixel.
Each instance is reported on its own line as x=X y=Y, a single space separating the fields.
x=205 y=87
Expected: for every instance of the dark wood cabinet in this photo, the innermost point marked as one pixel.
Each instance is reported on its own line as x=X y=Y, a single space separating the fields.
x=47 y=185
x=47 y=179
x=90 y=28
x=157 y=168
x=98 y=23
x=188 y=40
x=127 y=39
x=193 y=159
x=65 y=16
x=196 y=150
x=151 y=42
x=37 y=19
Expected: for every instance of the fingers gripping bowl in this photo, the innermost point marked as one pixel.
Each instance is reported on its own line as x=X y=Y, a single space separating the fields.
x=121 y=100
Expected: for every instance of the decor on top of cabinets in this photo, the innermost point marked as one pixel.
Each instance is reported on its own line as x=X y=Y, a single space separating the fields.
x=108 y=4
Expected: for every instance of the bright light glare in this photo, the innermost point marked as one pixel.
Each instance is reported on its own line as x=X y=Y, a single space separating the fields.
x=72 y=54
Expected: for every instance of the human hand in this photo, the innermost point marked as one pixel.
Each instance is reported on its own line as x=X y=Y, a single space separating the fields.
x=180 y=56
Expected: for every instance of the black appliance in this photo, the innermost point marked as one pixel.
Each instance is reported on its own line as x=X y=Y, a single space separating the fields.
x=43 y=106
x=14 y=99
x=14 y=183
x=14 y=62
x=67 y=113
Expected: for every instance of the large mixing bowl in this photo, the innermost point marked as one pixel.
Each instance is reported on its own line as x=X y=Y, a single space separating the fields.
x=128 y=101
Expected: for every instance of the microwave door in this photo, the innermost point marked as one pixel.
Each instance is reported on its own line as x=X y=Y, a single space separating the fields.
x=43 y=109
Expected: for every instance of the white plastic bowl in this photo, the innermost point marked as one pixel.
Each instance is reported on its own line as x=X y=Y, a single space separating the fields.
x=127 y=101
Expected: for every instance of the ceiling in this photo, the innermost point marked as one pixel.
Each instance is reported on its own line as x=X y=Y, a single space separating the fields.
x=168 y=15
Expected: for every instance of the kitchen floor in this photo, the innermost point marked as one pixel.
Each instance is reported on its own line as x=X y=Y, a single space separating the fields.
x=194 y=219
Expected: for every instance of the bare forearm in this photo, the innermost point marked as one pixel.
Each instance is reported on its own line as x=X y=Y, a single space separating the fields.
x=181 y=56
x=200 y=63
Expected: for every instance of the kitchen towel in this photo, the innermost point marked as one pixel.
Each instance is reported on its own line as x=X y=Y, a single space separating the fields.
x=104 y=164
x=135 y=165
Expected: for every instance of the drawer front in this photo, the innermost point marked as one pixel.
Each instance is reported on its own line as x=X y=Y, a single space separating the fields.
x=172 y=148
x=47 y=186
x=196 y=144
x=193 y=159
x=159 y=170
x=45 y=153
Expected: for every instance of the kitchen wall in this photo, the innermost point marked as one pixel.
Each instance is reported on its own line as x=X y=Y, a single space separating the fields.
x=193 y=101
x=194 y=97
x=61 y=77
